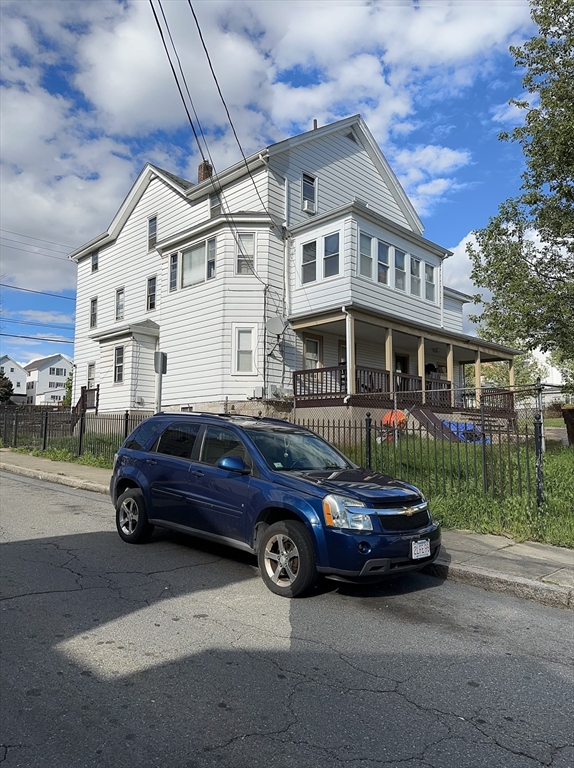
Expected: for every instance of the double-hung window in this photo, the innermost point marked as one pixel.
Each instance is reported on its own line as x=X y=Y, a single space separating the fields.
x=382 y=263
x=95 y=261
x=309 y=263
x=415 y=277
x=214 y=205
x=331 y=255
x=198 y=263
x=365 y=256
x=93 y=312
x=309 y=193
x=429 y=282
x=151 y=289
x=173 y=261
x=120 y=303
x=245 y=253
x=118 y=365
x=400 y=271
x=244 y=349
x=151 y=233
x=311 y=352
x=91 y=375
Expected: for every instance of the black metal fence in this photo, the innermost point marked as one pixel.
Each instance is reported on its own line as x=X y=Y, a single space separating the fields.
x=97 y=434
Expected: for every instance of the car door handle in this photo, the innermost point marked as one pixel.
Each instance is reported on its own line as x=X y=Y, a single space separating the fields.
x=198 y=473
x=150 y=461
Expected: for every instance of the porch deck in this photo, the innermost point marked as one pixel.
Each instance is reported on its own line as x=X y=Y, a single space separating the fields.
x=324 y=387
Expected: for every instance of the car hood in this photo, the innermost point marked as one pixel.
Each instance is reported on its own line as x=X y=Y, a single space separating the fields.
x=364 y=485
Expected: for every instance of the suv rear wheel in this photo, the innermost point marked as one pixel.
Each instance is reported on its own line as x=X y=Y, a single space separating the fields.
x=286 y=559
x=131 y=517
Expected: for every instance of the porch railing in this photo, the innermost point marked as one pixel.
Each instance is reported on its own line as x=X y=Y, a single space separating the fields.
x=331 y=383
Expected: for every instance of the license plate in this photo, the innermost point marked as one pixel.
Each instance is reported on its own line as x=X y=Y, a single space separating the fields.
x=420 y=549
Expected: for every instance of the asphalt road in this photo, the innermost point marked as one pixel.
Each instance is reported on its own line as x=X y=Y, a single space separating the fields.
x=175 y=654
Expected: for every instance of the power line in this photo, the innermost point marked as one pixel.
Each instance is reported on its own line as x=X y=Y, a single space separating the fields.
x=37 y=325
x=36 y=338
x=43 y=293
x=9 y=240
x=30 y=237
x=35 y=253
x=226 y=108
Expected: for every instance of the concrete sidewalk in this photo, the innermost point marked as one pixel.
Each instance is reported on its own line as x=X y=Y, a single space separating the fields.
x=534 y=571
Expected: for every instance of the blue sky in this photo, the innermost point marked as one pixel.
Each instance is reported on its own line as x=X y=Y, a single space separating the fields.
x=87 y=97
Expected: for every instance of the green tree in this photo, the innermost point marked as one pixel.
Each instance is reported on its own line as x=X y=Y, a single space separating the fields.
x=6 y=388
x=67 y=401
x=525 y=255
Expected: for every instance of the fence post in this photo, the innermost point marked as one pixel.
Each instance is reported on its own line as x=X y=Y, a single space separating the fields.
x=539 y=405
x=44 y=430
x=81 y=435
x=5 y=430
x=539 y=452
x=368 y=425
x=15 y=440
x=126 y=424
x=484 y=462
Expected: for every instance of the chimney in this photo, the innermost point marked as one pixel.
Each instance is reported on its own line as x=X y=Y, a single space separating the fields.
x=204 y=171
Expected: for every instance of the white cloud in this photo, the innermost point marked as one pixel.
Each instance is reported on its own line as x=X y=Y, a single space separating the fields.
x=71 y=150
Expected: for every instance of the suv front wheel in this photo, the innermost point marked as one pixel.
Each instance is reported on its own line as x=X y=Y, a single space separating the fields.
x=286 y=559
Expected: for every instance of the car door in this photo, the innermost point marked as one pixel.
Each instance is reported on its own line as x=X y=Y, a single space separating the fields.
x=220 y=497
x=167 y=470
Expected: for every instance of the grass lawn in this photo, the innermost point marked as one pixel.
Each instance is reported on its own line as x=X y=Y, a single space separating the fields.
x=554 y=421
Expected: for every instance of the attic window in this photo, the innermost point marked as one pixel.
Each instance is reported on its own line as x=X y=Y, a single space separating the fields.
x=151 y=233
x=351 y=136
x=309 y=192
x=95 y=261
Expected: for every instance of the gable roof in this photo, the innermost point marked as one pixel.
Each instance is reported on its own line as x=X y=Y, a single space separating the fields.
x=246 y=165
x=43 y=361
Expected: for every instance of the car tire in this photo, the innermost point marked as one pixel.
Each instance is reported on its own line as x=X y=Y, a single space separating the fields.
x=286 y=559
x=131 y=517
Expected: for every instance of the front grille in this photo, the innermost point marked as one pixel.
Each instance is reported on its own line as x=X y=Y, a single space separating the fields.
x=405 y=522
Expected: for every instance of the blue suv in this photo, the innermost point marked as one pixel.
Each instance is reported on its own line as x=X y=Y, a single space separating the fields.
x=274 y=489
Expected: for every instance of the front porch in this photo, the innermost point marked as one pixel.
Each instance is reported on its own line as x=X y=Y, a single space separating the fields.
x=328 y=387
x=419 y=366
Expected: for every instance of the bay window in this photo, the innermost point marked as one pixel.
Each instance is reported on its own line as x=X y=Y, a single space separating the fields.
x=198 y=264
x=415 y=277
x=429 y=282
x=245 y=254
x=400 y=272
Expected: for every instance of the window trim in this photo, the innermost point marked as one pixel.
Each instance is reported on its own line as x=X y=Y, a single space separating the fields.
x=253 y=271
x=205 y=242
x=120 y=292
x=304 y=198
x=148 y=294
x=235 y=328
x=319 y=339
x=151 y=235
x=93 y=316
x=120 y=379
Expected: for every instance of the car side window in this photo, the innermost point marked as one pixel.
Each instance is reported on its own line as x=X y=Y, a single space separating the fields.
x=219 y=444
x=178 y=440
x=142 y=434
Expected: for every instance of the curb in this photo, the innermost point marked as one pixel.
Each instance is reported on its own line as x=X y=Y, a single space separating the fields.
x=518 y=586
x=52 y=477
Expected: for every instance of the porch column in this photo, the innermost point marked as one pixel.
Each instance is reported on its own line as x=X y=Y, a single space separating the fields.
x=389 y=358
x=450 y=371
x=421 y=366
x=511 y=381
x=477 y=375
x=350 y=342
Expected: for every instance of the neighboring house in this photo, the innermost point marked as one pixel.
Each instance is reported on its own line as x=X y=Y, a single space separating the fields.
x=47 y=379
x=17 y=375
x=308 y=255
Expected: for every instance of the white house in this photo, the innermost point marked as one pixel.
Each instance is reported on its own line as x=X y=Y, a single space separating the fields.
x=300 y=272
x=46 y=379
x=17 y=375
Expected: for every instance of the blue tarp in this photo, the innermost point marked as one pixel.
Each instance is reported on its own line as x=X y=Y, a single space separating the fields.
x=466 y=433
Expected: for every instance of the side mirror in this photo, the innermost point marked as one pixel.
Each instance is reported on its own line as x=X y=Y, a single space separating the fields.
x=234 y=464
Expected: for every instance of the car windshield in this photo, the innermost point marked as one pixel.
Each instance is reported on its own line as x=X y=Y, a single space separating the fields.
x=286 y=451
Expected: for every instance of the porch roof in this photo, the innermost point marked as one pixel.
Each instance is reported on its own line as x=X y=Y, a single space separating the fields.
x=363 y=315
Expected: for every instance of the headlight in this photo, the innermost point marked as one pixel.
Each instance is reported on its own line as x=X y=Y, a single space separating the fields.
x=338 y=512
